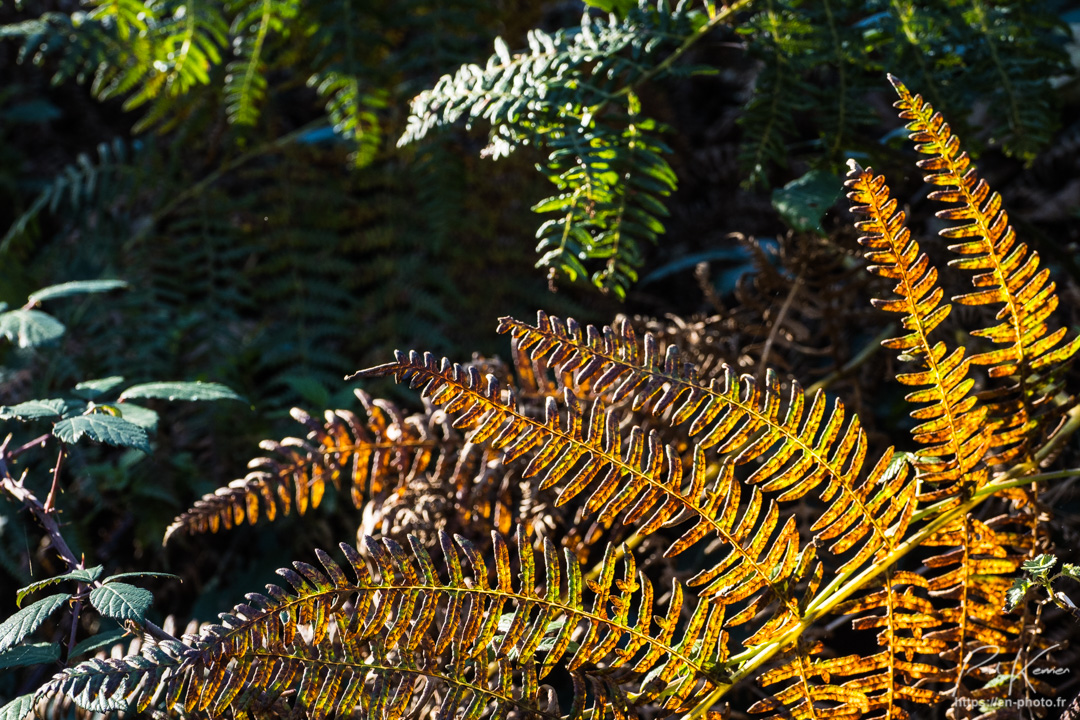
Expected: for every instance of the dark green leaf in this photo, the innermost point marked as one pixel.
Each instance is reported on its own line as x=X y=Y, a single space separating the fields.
x=802 y=203
x=30 y=328
x=121 y=601
x=34 y=410
x=103 y=428
x=78 y=287
x=18 y=709
x=141 y=416
x=18 y=626
x=180 y=391
x=93 y=389
x=105 y=639
x=33 y=654
x=80 y=575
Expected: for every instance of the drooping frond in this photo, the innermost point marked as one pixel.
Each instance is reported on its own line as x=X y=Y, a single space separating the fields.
x=952 y=422
x=1009 y=276
x=367 y=459
x=401 y=639
x=639 y=481
x=797 y=449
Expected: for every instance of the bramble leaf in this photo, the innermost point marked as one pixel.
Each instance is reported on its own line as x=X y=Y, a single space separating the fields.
x=121 y=601
x=78 y=287
x=103 y=428
x=79 y=575
x=30 y=328
x=187 y=391
x=18 y=626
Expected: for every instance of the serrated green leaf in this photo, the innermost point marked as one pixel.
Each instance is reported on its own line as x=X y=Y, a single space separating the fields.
x=1040 y=565
x=1015 y=595
x=80 y=575
x=34 y=410
x=187 y=391
x=30 y=328
x=121 y=601
x=103 y=428
x=93 y=389
x=94 y=643
x=78 y=287
x=803 y=202
x=18 y=709
x=141 y=416
x=18 y=626
x=1070 y=570
x=33 y=654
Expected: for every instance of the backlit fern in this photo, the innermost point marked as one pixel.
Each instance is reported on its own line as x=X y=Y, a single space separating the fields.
x=630 y=436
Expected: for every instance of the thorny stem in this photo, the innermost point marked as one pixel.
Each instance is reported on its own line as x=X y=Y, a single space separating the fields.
x=55 y=479
x=841 y=588
x=47 y=519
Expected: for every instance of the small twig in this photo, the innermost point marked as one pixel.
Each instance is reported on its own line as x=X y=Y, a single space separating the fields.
x=855 y=363
x=28 y=446
x=55 y=479
x=777 y=323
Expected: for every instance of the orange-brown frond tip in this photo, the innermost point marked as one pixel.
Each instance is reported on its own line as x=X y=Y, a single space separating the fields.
x=854 y=168
x=377 y=371
x=896 y=82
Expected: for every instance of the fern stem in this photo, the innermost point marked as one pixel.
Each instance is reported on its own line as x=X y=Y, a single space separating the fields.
x=686 y=45
x=872 y=348
x=826 y=600
x=195 y=189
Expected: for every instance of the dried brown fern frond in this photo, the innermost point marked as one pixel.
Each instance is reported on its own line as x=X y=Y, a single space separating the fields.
x=367 y=459
x=1008 y=276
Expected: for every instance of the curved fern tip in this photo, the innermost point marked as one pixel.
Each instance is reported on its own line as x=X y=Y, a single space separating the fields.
x=896 y=82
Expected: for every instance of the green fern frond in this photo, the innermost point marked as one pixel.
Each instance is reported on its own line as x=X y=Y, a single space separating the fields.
x=573 y=92
x=80 y=184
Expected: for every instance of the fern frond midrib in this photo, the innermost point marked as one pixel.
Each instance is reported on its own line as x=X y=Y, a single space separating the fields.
x=507 y=324
x=367 y=664
x=1015 y=311
x=518 y=597
x=687 y=503
x=938 y=386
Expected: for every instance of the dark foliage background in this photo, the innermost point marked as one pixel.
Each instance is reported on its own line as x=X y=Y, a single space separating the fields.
x=268 y=253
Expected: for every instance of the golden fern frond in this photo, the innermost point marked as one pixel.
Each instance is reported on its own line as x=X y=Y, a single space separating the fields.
x=977 y=565
x=898 y=607
x=952 y=422
x=372 y=458
x=797 y=449
x=397 y=639
x=639 y=481
x=1008 y=274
